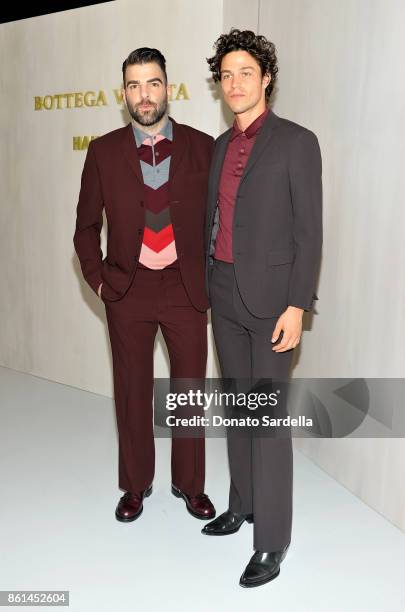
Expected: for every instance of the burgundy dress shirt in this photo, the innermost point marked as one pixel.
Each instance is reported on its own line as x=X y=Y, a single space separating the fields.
x=237 y=154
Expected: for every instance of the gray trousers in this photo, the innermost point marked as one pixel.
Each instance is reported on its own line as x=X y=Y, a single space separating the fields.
x=260 y=467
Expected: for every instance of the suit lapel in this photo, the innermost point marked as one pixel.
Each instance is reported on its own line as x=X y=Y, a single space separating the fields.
x=262 y=140
x=180 y=147
x=131 y=152
x=218 y=162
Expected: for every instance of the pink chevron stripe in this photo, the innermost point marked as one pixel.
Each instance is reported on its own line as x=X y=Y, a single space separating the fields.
x=157 y=261
x=156 y=139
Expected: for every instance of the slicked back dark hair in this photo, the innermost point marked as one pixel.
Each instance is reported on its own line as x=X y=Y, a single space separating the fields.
x=263 y=51
x=144 y=55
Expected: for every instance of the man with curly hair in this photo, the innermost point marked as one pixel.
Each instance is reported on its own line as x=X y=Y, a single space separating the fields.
x=264 y=238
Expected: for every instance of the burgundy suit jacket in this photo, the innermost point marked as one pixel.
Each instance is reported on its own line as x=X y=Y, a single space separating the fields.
x=112 y=179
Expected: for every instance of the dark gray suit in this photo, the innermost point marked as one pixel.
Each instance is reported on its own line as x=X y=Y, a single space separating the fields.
x=277 y=238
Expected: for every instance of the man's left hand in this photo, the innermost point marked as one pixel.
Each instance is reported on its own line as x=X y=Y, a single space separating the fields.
x=290 y=323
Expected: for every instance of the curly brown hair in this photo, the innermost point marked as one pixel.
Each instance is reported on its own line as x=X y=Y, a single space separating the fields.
x=257 y=45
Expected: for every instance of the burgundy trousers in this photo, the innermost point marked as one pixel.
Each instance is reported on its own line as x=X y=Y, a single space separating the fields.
x=155 y=298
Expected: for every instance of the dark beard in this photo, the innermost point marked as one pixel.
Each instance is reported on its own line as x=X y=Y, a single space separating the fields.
x=152 y=117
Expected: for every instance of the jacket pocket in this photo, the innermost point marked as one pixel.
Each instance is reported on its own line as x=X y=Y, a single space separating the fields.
x=278 y=257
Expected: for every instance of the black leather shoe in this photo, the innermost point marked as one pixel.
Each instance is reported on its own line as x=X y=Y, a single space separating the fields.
x=262 y=568
x=226 y=523
x=130 y=505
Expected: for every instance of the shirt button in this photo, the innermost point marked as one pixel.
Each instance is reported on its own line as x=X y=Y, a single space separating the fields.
x=157 y=153
x=240 y=151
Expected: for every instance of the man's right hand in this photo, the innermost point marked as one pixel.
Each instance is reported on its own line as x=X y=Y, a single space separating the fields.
x=99 y=290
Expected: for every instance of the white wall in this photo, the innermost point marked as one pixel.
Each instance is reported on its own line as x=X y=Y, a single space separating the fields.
x=53 y=325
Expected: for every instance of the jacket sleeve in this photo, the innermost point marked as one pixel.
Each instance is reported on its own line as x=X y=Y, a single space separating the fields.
x=89 y=222
x=305 y=170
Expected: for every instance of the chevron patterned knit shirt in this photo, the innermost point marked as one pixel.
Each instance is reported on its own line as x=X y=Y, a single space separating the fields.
x=158 y=246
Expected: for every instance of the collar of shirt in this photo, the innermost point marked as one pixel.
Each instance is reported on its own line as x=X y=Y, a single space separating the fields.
x=252 y=129
x=141 y=136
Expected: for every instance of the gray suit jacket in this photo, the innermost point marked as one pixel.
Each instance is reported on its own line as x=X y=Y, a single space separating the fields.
x=277 y=225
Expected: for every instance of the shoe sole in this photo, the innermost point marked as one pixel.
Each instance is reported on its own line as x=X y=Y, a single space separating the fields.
x=259 y=583
x=177 y=493
x=121 y=519
x=230 y=532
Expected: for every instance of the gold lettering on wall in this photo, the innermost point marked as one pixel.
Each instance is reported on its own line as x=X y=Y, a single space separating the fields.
x=119 y=98
x=77 y=99
x=82 y=99
x=80 y=143
x=182 y=93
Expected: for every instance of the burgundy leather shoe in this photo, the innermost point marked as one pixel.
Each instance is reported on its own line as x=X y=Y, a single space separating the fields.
x=130 y=505
x=199 y=506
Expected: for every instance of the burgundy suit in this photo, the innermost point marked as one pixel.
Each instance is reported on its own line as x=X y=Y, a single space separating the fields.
x=139 y=300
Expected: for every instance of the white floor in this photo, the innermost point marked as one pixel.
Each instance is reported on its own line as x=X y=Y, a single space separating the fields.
x=58 y=474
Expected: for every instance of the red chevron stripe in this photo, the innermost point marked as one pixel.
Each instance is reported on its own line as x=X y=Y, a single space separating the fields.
x=157 y=241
